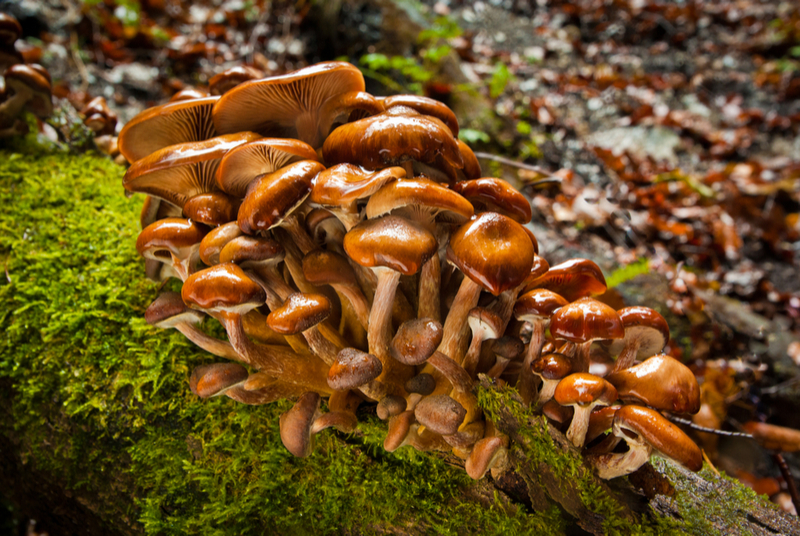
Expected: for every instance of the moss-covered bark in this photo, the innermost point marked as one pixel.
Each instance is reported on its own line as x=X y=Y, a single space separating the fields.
x=99 y=433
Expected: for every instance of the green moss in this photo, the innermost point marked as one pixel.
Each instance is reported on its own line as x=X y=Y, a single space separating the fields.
x=100 y=399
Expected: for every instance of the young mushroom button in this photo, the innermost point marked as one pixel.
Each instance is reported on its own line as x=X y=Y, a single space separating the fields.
x=646 y=334
x=583 y=392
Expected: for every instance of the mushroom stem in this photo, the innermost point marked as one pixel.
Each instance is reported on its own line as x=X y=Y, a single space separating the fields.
x=12 y=107
x=277 y=361
x=429 y=284
x=455 y=325
x=209 y=344
x=380 y=323
x=581 y=358
x=614 y=465
x=627 y=357
x=579 y=425
x=298 y=233
x=526 y=385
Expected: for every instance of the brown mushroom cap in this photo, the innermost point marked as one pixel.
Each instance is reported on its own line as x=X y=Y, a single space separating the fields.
x=222 y=288
x=422 y=384
x=247 y=251
x=582 y=389
x=538 y=304
x=391 y=138
x=662 y=382
x=659 y=433
x=242 y=165
x=168 y=124
x=486 y=453
x=390 y=242
x=496 y=195
x=170 y=235
x=286 y=106
x=214 y=379
x=300 y=311
x=425 y=106
x=353 y=368
x=272 y=197
x=25 y=80
x=486 y=322
x=328 y=268
x=99 y=117
x=440 y=413
x=416 y=340
x=419 y=195
x=212 y=244
x=213 y=208
x=573 y=279
x=179 y=172
x=646 y=325
x=10 y=30
x=168 y=310
x=295 y=425
x=774 y=437
x=221 y=83
x=188 y=93
x=552 y=366
x=586 y=320
x=492 y=250
x=472 y=167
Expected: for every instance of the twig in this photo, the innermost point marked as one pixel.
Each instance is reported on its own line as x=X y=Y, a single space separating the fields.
x=76 y=57
x=788 y=478
x=520 y=165
x=698 y=428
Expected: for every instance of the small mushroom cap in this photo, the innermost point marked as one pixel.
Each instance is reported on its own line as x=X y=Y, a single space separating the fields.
x=390 y=406
x=99 y=117
x=659 y=433
x=540 y=266
x=170 y=235
x=485 y=453
x=247 y=251
x=22 y=78
x=10 y=30
x=586 y=320
x=538 y=304
x=496 y=195
x=472 y=167
x=168 y=310
x=645 y=324
x=506 y=346
x=391 y=138
x=416 y=340
x=391 y=242
x=422 y=384
x=222 y=288
x=662 y=382
x=420 y=194
x=425 y=106
x=300 y=311
x=552 y=366
x=399 y=428
x=286 y=106
x=181 y=171
x=323 y=267
x=343 y=184
x=272 y=197
x=241 y=165
x=353 y=368
x=168 y=124
x=573 y=279
x=582 y=389
x=774 y=437
x=209 y=380
x=212 y=244
x=600 y=421
x=213 y=208
x=221 y=83
x=492 y=250
x=440 y=413
x=487 y=321
x=295 y=425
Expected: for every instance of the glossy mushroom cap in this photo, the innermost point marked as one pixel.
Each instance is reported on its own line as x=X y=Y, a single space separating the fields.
x=243 y=164
x=583 y=389
x=646 y=325
x=650 y=426
x=222 y=288
x=221 y=83
x=538 y=304
x=247 y=251
x=99 y=117
x=574 y=279
x=425 y=106
x=170 y=235
x=168 y=124
x=300 y=311
x=421 y=196
x=215 y=379
x=353 y=368
x=495 y=195
x=286 y=106
x=390 y=242
x=212 y=244
x=295 y=425
x=662 y=382
x=272 y=197
x=486 y=454
x=25 y=80
x=416 y=340
x=391 y=138
x=213 y=208
x=492 y=250
x=168 y=310
x=552 y=366
x=440 y=413
x=10 y=30
x=586 y=320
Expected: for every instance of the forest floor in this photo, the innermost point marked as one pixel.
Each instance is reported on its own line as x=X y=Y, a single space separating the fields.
x=655 y=137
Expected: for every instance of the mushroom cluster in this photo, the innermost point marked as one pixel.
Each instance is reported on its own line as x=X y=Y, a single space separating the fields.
x=352 y=250
x=23 y=88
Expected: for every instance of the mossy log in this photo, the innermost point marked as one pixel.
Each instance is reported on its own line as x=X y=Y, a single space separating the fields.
x=99 y=433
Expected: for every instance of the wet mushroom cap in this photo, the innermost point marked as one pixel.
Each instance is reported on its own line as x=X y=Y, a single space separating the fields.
x=425 y=106
x=168 y=310
x=582 y=389
x=323 y=267
x=213 y=243
x=573 y=279
x=246 y=249
x=659 y=433
x=271 y=197
x=353 y=368
x=662 y=382
x=416 y=340
x=222 y=287
x=645 y=324
x=243 y=164
x=496 y=195
x=25 y=79
x=586 y=320
x=221 y=83
x=774 y=437
x=213 y=208
x=492 y=250
x=168 y=124
x=209 y=380
x=286 y=106
x=343 y=184
x=171 y=234
x=538 y=304
x=300 y=311
x=440 y=413
x=10 y=29
x=552 y=366
x=391 y=242
x=419 y=193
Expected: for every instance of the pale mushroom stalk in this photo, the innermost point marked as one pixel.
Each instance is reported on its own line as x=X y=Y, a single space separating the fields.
x=430 y=281
x=455 y=325
x=526 y=384
x=613 y=465
x=380 y=317
x=209 y=344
